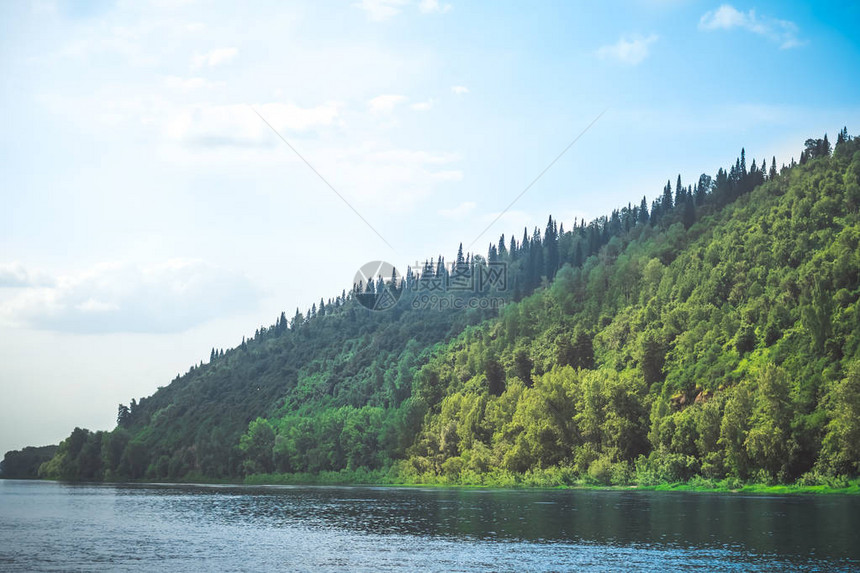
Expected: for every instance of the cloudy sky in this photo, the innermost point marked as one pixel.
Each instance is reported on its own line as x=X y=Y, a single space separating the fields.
x=147 y=212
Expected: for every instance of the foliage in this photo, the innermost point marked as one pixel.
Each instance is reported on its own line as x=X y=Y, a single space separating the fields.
x=713 y=338
x=24 y=463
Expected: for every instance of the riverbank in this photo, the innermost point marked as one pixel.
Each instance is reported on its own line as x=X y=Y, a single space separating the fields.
x=540 y=479
x=549 y=480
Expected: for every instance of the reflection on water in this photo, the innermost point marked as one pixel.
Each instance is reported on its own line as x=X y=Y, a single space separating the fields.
x=49 y=526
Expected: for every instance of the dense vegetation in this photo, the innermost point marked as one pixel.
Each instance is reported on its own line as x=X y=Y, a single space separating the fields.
x=712 y=335
x=25 y=463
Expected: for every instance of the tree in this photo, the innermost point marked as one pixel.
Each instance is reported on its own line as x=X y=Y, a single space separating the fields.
x=135 y=459
x=680 y=192
x=840 y=452
x=24 y=464
x=122 y=415
x=643 y=212
x=666 y=201
x=768 y=440
x=746 y=339
x=734 y=429
x=551 y=245
x=652 y=356
x=703 y=187
x=523 y=367
x=688 y=215
x=257 y=444
x=815 y=148
x=495 y=377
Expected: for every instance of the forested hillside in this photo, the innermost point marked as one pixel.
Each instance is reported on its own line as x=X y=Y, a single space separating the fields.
x=711 y=334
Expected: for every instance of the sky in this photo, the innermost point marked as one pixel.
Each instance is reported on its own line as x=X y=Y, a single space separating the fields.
x=149 y=211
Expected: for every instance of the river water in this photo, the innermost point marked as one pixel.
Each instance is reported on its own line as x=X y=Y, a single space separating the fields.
x=46 y=526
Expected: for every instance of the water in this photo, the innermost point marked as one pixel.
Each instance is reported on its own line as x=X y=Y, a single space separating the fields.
x=48 y=526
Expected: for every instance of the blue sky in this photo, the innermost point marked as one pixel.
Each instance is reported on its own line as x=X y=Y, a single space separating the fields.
x=149 y=214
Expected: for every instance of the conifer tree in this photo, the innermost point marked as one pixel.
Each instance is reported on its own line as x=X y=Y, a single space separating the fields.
x=666 y=202
x=643 y=211
x=680 y=195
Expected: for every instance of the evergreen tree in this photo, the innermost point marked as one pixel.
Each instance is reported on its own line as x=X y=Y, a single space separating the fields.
x=688 y=214
x=666 y=203
x=680 y=194
x=551 y=246
x=643 y=211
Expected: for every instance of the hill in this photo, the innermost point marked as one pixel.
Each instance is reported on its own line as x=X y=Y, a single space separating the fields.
x=713 y=334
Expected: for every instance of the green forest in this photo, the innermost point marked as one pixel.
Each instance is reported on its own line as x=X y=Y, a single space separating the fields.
x=711 y=336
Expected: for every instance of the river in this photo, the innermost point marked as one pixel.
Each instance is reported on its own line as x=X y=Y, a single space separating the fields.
x=47 y=526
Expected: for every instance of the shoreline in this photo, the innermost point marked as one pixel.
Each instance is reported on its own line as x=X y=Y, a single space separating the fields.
x=269 y=480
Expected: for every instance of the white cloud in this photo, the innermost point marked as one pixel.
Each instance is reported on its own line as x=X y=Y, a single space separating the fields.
x=727 y=17
x=459 y=90
x=628 y=50
x=17 y=275
x=448 y=175
x=410 y=156
x=459 y=211
x=118 y=297
x=385 y=103
x=433 y=6
x=380 y=178
x=237 y=125
x=423 y=105
x=381 y=10
x=190 y=84
x=214 y=58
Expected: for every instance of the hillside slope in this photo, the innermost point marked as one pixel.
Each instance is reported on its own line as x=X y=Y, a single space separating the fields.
x=714 y=333
x=726 y=349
